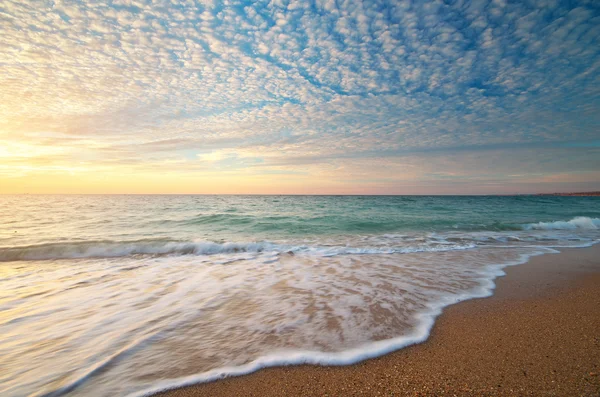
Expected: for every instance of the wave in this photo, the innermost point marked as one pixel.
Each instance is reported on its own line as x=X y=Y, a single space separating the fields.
x=328 y=224
x=580 y=222
x=112 y=249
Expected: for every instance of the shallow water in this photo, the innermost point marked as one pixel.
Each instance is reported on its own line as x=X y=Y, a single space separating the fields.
x=118 y=295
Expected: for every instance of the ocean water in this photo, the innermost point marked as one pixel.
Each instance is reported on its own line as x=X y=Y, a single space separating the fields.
x=126 y=295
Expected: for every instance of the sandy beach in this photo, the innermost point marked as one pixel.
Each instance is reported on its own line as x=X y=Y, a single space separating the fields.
x=538 y=335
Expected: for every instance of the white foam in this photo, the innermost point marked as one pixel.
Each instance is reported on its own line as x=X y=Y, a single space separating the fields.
x=105 y=249
x=109 y=249
x=257 y=306
x=580 y=222
x=333 y=251
x=420 y=333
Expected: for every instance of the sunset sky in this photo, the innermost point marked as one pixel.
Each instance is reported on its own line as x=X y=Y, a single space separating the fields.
x=303 y=97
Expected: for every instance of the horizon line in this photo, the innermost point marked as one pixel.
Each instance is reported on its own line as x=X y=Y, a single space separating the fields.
x=590 y=193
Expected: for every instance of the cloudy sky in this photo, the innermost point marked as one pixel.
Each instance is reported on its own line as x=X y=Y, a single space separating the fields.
x=383 y=97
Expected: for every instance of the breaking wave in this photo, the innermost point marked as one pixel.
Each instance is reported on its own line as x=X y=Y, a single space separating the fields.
x=111 y=249
x=580 y=222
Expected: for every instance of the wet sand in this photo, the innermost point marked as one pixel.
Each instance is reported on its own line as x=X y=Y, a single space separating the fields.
x=538 y=335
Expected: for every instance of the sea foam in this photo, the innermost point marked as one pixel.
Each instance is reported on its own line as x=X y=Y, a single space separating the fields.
x=580 y=222
x=112 y=249
x=420 y=333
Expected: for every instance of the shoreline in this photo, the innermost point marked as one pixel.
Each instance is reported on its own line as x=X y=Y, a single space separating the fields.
x=475 y=346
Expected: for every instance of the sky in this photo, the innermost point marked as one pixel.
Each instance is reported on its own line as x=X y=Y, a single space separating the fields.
x=299 y=97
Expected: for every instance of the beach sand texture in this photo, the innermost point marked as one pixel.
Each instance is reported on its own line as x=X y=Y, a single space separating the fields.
x=539 y=335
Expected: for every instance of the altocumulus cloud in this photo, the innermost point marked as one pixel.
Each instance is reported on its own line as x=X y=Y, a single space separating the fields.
x=403 y=93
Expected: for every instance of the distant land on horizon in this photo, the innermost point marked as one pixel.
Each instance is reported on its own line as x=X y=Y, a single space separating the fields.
x=571 y=194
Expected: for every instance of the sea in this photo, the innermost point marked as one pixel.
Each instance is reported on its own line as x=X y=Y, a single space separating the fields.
x=127 y=295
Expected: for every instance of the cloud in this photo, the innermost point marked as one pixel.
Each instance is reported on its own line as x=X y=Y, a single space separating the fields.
x=293 y=83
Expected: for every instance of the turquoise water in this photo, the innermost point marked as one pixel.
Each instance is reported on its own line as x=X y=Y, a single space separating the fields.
x=122 y=295
x=41 y=219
